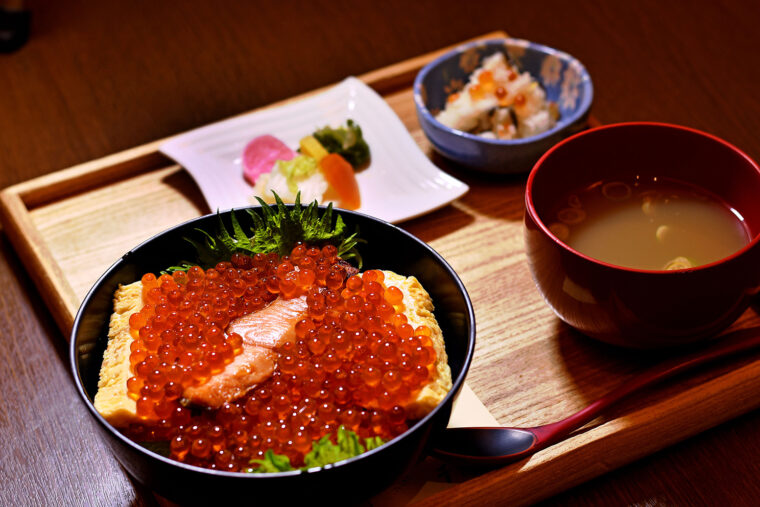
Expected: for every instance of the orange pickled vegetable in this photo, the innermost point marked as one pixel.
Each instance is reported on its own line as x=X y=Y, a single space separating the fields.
x=340 y=175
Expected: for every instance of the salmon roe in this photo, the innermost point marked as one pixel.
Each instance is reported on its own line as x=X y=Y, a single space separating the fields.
x=355 y=361
x=179 y=334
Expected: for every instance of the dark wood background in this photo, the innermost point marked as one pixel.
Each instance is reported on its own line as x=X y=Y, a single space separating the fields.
x=99 y=77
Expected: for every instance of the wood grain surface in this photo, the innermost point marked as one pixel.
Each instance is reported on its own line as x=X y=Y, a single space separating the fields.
x=98 y=78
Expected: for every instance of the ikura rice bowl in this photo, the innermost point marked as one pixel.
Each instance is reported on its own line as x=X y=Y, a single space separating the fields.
x=266 y=363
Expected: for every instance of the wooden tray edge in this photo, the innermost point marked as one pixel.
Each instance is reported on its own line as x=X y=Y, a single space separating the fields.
x=610 y=445
x=38 y=260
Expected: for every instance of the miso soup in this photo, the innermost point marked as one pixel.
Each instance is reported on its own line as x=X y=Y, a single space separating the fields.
x=655 y=224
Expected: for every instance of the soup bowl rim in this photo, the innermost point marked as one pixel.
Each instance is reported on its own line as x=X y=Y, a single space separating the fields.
x=531 y=211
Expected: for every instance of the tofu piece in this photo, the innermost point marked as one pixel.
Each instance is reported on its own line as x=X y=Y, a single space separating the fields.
x=418 y=307
x=112 y=400
x=466 y=114
x=533 y=125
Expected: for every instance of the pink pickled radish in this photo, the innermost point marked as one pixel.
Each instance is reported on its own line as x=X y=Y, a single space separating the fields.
x=260 y=155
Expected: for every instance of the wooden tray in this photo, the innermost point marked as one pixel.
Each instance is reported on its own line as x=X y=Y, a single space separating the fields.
x=529 y=368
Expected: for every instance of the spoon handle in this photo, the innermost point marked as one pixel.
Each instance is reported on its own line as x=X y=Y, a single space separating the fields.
x=729 y=344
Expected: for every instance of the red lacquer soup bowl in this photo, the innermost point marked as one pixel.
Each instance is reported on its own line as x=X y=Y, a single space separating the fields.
x=636 y=307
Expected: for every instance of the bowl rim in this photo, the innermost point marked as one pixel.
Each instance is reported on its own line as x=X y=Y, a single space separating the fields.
x=531 y=211
x=105 y=425
x=586 y=98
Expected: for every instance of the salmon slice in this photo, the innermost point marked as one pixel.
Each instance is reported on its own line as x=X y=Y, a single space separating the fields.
x=271 y=326
x=261 y=331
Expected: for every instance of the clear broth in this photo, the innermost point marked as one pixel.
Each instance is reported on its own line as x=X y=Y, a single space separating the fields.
x=654 y=225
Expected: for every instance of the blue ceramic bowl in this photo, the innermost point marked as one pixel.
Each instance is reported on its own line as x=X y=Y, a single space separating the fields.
x=564 y=79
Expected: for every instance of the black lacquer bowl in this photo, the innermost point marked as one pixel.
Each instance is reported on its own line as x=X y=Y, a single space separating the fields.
x=388 y=247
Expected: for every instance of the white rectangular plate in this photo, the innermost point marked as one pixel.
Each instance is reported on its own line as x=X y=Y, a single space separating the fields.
x=400 y=182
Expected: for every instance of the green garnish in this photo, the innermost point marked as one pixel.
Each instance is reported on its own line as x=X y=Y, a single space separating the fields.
x=347 y=142
x=271 y=463
x=278 y=231
x=323 y=452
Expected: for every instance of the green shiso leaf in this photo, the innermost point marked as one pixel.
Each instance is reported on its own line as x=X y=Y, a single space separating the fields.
x=323 y=452
x=277 y=229
x=182 y=266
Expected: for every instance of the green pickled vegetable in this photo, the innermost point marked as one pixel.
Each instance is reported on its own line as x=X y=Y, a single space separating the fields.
x=347 y=142
x=297 y=169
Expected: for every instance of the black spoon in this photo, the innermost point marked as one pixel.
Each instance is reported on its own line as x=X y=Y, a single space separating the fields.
x=498 y=445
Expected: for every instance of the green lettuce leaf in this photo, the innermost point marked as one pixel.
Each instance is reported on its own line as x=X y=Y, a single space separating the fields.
x=271 y=463
x=373 y=442
x=323 y=452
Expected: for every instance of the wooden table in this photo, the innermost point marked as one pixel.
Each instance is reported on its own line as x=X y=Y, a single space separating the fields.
x=95 y=79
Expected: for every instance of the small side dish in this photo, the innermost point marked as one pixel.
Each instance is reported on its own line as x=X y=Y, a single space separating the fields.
x=500 y=102
x=272 y=352
x=497 y=105
x=214 y=154
x=677 y=210
x=321 y=169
